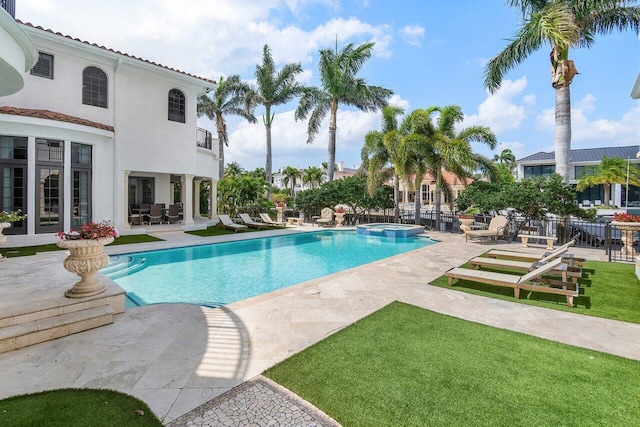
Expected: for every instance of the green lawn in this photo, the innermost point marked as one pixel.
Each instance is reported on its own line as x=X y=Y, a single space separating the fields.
x=217 y=230
x=77 y=408
x=405 y=366
x=607 y=289
x=32 y=250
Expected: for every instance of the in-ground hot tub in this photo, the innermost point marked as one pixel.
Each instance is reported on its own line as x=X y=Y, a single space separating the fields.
x=390 y=230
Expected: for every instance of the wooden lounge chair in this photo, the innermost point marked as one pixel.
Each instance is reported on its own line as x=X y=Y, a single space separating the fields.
x=251 y=223
x=569 y=259
x=497 y=228
x=530 y=281
x=563 y=270
x=267 y=220
x=326 y=217
x=228 y=223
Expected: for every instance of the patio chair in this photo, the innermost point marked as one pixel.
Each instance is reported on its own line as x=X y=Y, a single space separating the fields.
x=267 y=220
x=569 y=259
x=326 y=217
x=497 y=228
x=228 y=223
x=173 y=215
x=531 y=281
x=250 y=222
x=135 y=219
x=563 y=270
x=155 y=215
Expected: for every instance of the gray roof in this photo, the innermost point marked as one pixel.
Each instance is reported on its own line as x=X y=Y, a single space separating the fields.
x=588 y=154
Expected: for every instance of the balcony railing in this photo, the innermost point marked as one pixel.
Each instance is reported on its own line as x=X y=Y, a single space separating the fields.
x=9 y=6
x=204 y=138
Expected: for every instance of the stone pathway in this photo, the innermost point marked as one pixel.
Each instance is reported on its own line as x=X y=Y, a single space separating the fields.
x=257 y=402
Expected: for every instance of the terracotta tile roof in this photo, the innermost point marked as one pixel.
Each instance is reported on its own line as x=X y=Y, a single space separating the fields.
x=29 y=24
x=52 y=115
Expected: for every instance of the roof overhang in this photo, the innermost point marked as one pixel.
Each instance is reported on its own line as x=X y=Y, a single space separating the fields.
x=18 y=54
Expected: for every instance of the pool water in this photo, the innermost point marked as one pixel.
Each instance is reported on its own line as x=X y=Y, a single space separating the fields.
x=222 y=273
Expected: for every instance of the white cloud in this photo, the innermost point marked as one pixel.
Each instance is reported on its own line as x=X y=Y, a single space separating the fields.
x=412 y=34
x=594 y=132
x=503 y=110
x=398 y=101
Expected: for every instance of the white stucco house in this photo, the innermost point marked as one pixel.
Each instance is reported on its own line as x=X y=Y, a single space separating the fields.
x=95 y=133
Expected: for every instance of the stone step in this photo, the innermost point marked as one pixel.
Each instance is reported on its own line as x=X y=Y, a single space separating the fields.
x=57 y=326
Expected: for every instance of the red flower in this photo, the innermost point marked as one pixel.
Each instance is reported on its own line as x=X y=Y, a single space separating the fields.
x=626 y=217
x=89 y=231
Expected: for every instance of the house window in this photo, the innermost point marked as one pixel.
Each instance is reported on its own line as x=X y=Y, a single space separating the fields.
x=425 y=194
x=81 y=181
x=176 y=106
x=539 y=170
x=44 y=66
x=94 y=87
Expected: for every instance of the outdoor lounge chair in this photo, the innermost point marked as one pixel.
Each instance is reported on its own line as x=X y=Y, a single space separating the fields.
x=251 y=223
x=326 y=217
x=228 y=223
x=569 y=259
x=531 y=281
x=497 y=228
x=563 y=270
x=267 y=220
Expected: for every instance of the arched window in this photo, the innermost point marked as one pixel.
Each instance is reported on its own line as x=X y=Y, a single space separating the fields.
x=176 y=106
x=94 y=87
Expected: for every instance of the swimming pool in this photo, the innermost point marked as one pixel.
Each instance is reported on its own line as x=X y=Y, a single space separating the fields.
x=222 y=273
x=390 y=230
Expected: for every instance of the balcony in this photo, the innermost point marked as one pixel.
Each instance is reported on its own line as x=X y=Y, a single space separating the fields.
x=204 y=138
x=9 y=6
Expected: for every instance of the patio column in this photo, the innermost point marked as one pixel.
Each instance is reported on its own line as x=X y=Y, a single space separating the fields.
x=196 y=198
x=127 y=226
x=213 y=203
x=187 y=188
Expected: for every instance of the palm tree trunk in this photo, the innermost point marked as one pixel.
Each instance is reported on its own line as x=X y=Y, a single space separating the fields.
x=268 y=166
x=332 y=140
x=396 y=193
x=438 y=197
x=607 y=194
x=220 y=128
x=417 y=198
x=563 y=131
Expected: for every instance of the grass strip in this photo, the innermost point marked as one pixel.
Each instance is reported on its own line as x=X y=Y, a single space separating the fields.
x=607 y=289
x=407 y=366
x=32 y=250
x=75 y=407
x=217 y=230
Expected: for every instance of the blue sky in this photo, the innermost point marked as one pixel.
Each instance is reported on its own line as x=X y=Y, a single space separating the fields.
x=428 y=52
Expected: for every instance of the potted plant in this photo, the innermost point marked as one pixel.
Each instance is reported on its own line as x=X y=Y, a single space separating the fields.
x=339 y=211
x=86 y=248
x=6 y=219
x=628 y=224
x=466 y=220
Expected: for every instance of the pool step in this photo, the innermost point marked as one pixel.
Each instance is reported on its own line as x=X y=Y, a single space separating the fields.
x=122 y=266
x=41 y=326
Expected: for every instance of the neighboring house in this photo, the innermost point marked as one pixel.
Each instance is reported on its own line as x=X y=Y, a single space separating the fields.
x=341 y=172
x=427 y=194
x=278 y=178
x=543 y=164
x=94 y=133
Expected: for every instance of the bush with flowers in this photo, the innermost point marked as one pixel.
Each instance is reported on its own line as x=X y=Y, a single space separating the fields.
x=466 y=216
x=89 y=231
x=13 y=216
x=340 y=209
x=626 y=217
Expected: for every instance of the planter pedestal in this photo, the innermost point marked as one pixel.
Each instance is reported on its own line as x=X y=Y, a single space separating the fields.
x=85 y=259
x=339 y=219
x=280 y=215
x=628 y=230
x=3 y=238
x=465 y=225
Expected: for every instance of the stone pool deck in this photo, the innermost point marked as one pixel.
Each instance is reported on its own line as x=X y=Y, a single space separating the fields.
x=179 y=357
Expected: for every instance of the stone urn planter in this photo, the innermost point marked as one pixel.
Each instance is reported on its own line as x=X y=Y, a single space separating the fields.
x=86 y=258
x=465 y=225
x=280 y=215
x=339 y=219
x=3 y=238
x=628 y=230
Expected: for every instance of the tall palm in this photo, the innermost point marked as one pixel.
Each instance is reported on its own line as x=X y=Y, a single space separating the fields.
x=291 y=175
x=433 y=148
x=274 y=88
x=563 y=25
x=611 y=170
x=507 y=158
x=378 y=157
x=340 y=85
x=229 y=99
x=312 y=175
x=234 y=169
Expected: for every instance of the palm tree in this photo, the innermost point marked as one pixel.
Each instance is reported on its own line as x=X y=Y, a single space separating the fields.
x=378 y=157
x=312 y=175
x=562 y=24
x=234 y=169
x=426 y=147
x=274 y=88
x=611 y=170
x=291 y=175
x=507 y=158
x=229 y=98
x=340 y=85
